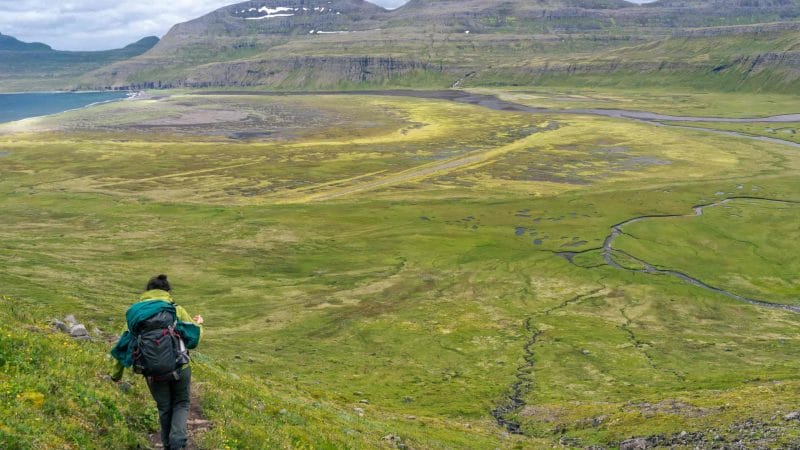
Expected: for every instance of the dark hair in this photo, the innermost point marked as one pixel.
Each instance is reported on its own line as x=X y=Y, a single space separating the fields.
x=159 y=282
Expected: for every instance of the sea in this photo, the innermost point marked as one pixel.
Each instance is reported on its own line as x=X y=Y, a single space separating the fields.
x=32 y=104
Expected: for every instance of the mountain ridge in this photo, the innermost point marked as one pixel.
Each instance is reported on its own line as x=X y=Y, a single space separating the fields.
x=437 y=43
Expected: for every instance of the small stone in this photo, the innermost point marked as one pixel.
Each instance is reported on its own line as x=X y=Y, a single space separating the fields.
x=682 y=434
x=634 y=444
x=359 y=411
x=364 y=401
x=283 y=412
x=411 y=417
x=794 y=415
x=71 y=320
x=358 y=393
x=78 y=330
x=597 y=421
x=585 y=352
x=60 y=326
x=125 y=387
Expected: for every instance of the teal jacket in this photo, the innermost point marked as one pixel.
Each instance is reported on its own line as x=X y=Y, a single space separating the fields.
x=151 y=303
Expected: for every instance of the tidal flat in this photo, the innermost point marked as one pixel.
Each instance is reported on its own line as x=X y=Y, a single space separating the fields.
x=374 y=265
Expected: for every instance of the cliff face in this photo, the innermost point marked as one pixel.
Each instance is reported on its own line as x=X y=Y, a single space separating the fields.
x=311 y=43
x=294 y=73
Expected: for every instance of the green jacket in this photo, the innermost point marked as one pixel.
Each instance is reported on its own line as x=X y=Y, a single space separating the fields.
x=150 y=303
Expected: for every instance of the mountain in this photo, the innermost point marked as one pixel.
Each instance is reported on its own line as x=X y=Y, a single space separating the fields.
x=309 y=44
x=9 y=43
x=36 y=66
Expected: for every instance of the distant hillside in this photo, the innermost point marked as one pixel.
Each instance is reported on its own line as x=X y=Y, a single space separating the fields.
x=309 y=44
x=36 y=66
x=9 y=43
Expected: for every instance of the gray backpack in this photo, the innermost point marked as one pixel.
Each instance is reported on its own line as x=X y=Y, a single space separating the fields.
x=158 y=351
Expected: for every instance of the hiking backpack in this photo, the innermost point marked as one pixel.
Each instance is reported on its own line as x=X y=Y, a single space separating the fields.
x=158 y=350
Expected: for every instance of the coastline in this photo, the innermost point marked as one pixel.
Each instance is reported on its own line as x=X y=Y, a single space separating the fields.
x=129 y=95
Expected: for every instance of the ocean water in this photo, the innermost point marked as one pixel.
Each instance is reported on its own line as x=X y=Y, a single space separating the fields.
x=32 y=104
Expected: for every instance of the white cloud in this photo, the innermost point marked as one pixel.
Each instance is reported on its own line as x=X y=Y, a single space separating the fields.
x=103 y=24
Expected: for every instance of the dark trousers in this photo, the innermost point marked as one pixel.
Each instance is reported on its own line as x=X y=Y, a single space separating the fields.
x=172 y=399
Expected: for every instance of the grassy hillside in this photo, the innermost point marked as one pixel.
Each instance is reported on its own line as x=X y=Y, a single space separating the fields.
x=383 y=271
x=52 y=393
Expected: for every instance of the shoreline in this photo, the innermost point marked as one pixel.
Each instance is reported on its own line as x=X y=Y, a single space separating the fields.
x=129 y=95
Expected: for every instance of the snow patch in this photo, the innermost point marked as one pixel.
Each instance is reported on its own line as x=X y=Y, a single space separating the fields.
x=268 y=16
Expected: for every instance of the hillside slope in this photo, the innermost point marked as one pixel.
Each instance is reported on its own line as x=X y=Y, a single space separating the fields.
x=36 y=66
x=309 y=44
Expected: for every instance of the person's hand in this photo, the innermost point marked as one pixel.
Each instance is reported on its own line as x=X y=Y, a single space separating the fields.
x=198 y=319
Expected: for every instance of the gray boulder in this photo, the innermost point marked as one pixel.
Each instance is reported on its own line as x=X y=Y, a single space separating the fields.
x=60 y=326
x=794 y=415
x=78 y=330
x=634 y=444
x=71 y=320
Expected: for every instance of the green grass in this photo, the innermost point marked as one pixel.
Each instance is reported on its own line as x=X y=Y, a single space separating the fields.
x=393 y=251
x=52 y=394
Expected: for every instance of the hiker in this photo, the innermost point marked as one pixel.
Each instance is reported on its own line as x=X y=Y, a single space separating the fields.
x=155 y=344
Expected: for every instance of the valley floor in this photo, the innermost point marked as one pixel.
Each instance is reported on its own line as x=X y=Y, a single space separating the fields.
x=399 y=271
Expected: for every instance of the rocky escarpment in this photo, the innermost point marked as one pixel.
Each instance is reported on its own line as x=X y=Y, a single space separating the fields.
x=298 y=72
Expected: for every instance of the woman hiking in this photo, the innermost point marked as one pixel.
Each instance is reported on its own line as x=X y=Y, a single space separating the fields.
x=155 y=344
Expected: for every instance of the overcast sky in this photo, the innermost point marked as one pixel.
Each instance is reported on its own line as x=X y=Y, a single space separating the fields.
x=104 y=24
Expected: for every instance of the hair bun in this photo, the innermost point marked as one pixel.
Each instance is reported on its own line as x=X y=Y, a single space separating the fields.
x=162 y=277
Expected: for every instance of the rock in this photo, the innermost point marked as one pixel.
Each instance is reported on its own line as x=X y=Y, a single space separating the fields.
x=60 y=326
x=391 y=438
x=411 y=417
x=283 y=412
x=71 y=320
x=794 y=415
x=359 y=411
x=597 y=421
x=682 y=434
x=634 y=444
x=585 y=352
x=83 y=338
x=124 y=386
x=364 y=401
x=78 y=330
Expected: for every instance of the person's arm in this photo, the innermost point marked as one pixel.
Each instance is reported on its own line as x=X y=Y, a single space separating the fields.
x=184 y=316
x=116 y=373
